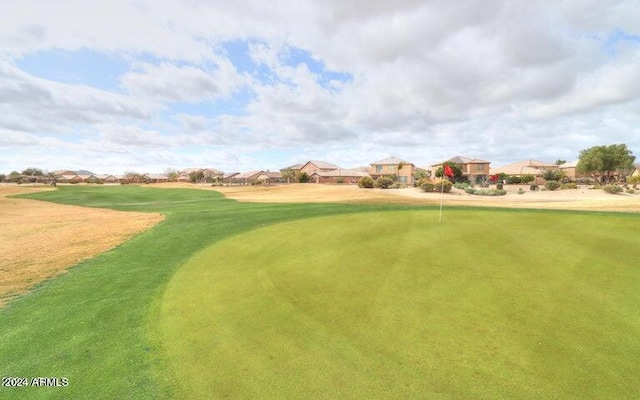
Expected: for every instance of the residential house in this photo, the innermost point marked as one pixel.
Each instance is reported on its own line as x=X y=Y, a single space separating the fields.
x=473 y=169
x=393 y=166
x=209 y=174
x=228 y=178
x=570 y=170
x=348 y=176
x=246 y=177
x=313 y=166
x=270 y=177
x=155 y=178
x=525 y=167
x=106 y=178
x=291 y=173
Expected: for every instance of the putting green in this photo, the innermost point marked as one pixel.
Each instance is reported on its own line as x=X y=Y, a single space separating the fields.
x=491 y=304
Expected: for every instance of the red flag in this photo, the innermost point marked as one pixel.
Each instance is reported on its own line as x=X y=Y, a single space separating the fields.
x=448 y=171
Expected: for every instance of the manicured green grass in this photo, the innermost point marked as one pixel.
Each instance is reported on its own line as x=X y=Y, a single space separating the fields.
x=390 y=305
x=96 y=324
x=386 y=304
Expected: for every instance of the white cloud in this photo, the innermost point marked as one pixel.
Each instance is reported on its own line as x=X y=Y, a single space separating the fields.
x=515 y=79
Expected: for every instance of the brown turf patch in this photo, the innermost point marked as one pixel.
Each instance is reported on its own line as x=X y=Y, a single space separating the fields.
x=571 y=199
x=39 y=240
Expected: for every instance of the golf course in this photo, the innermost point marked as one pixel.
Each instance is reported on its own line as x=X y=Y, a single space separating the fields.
x=226 y=299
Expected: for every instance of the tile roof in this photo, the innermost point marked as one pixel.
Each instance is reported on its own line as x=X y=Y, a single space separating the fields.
x=390 y=161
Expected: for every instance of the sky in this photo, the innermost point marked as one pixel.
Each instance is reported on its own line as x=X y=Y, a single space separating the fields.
x=146 y=85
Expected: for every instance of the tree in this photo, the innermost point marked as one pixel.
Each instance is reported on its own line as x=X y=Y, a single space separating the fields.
x=133 y=177
x=551 y=174
x=560 y=162
x=288 y=174
x=15 y=176
x=304 y=178
x=33 y=172
x=2 y=177
x=196 y=176
x=457 y=171
x=172 y=174
x=602 y=162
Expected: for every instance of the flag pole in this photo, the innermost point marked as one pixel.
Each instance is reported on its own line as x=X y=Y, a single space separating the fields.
x=441 y=199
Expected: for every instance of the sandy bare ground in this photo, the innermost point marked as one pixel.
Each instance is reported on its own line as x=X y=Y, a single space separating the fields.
x=39 y=240
x=572 y=199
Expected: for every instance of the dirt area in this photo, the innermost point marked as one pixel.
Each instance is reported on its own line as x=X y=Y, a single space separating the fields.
x=582 y=198
x=39 y=240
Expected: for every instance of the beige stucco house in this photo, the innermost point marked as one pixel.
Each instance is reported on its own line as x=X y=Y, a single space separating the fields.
x=473 y=169
x=393 y=166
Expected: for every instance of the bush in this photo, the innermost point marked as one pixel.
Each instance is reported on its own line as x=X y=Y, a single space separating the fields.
x=383 y=182
x=499 y=186
x=487 y=192
x=443 y=186
x=551 y=175
x=526 y=178
x=398 y=185
x=366 y=182
x=552 y=185
x=521 y=191
x=633 y=179
x=461 y=185
x=513 y=179
x=304 y=178
x=340 y=180
x=533 y=187
x=613 y=189
x=470 y=190
x=630 y=191
x=569 y=186
x=427 y=186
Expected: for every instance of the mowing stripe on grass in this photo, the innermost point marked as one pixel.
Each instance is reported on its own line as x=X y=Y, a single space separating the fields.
x=389 y=305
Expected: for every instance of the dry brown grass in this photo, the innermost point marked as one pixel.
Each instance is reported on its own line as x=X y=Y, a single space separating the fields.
x=39 y=240
x=574 y=199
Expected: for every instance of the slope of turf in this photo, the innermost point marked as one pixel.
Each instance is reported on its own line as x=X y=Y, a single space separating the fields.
x=100 y=325
x=94 y=325
x=390 y=305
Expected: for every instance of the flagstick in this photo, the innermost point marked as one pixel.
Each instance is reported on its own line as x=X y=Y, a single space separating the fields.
x=441 y=199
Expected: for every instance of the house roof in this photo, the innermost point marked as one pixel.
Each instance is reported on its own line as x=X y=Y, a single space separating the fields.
x=321 y=164
x=294 y=166
x=247 y=175
x=529 y=167
x=572 y=164
x=463 y=160
x=390 y=161
x=340 y=172
x=230 y=175
x=271 y=174
x=156 y=176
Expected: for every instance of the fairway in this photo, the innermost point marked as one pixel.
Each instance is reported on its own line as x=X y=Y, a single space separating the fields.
x=391 y=305
x=244 y=300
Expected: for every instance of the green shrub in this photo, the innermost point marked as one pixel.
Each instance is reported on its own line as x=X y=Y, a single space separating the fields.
x=630 y=191
x=304 y=178
x=461 y=185
x=443 y=186
x=613 y=189
x=570 y=185
x=470 y=190
x=340 y=180
x=552 y=185
x=383 y=182
x=534 y=187
x=526 y=178
x=521 y=191
x=513 y=179
x=427 y=186
x=398 y=185
x=366 y=182
x=633 y=179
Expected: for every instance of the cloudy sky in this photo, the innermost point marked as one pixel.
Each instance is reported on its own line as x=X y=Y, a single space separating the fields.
x=239 y=85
